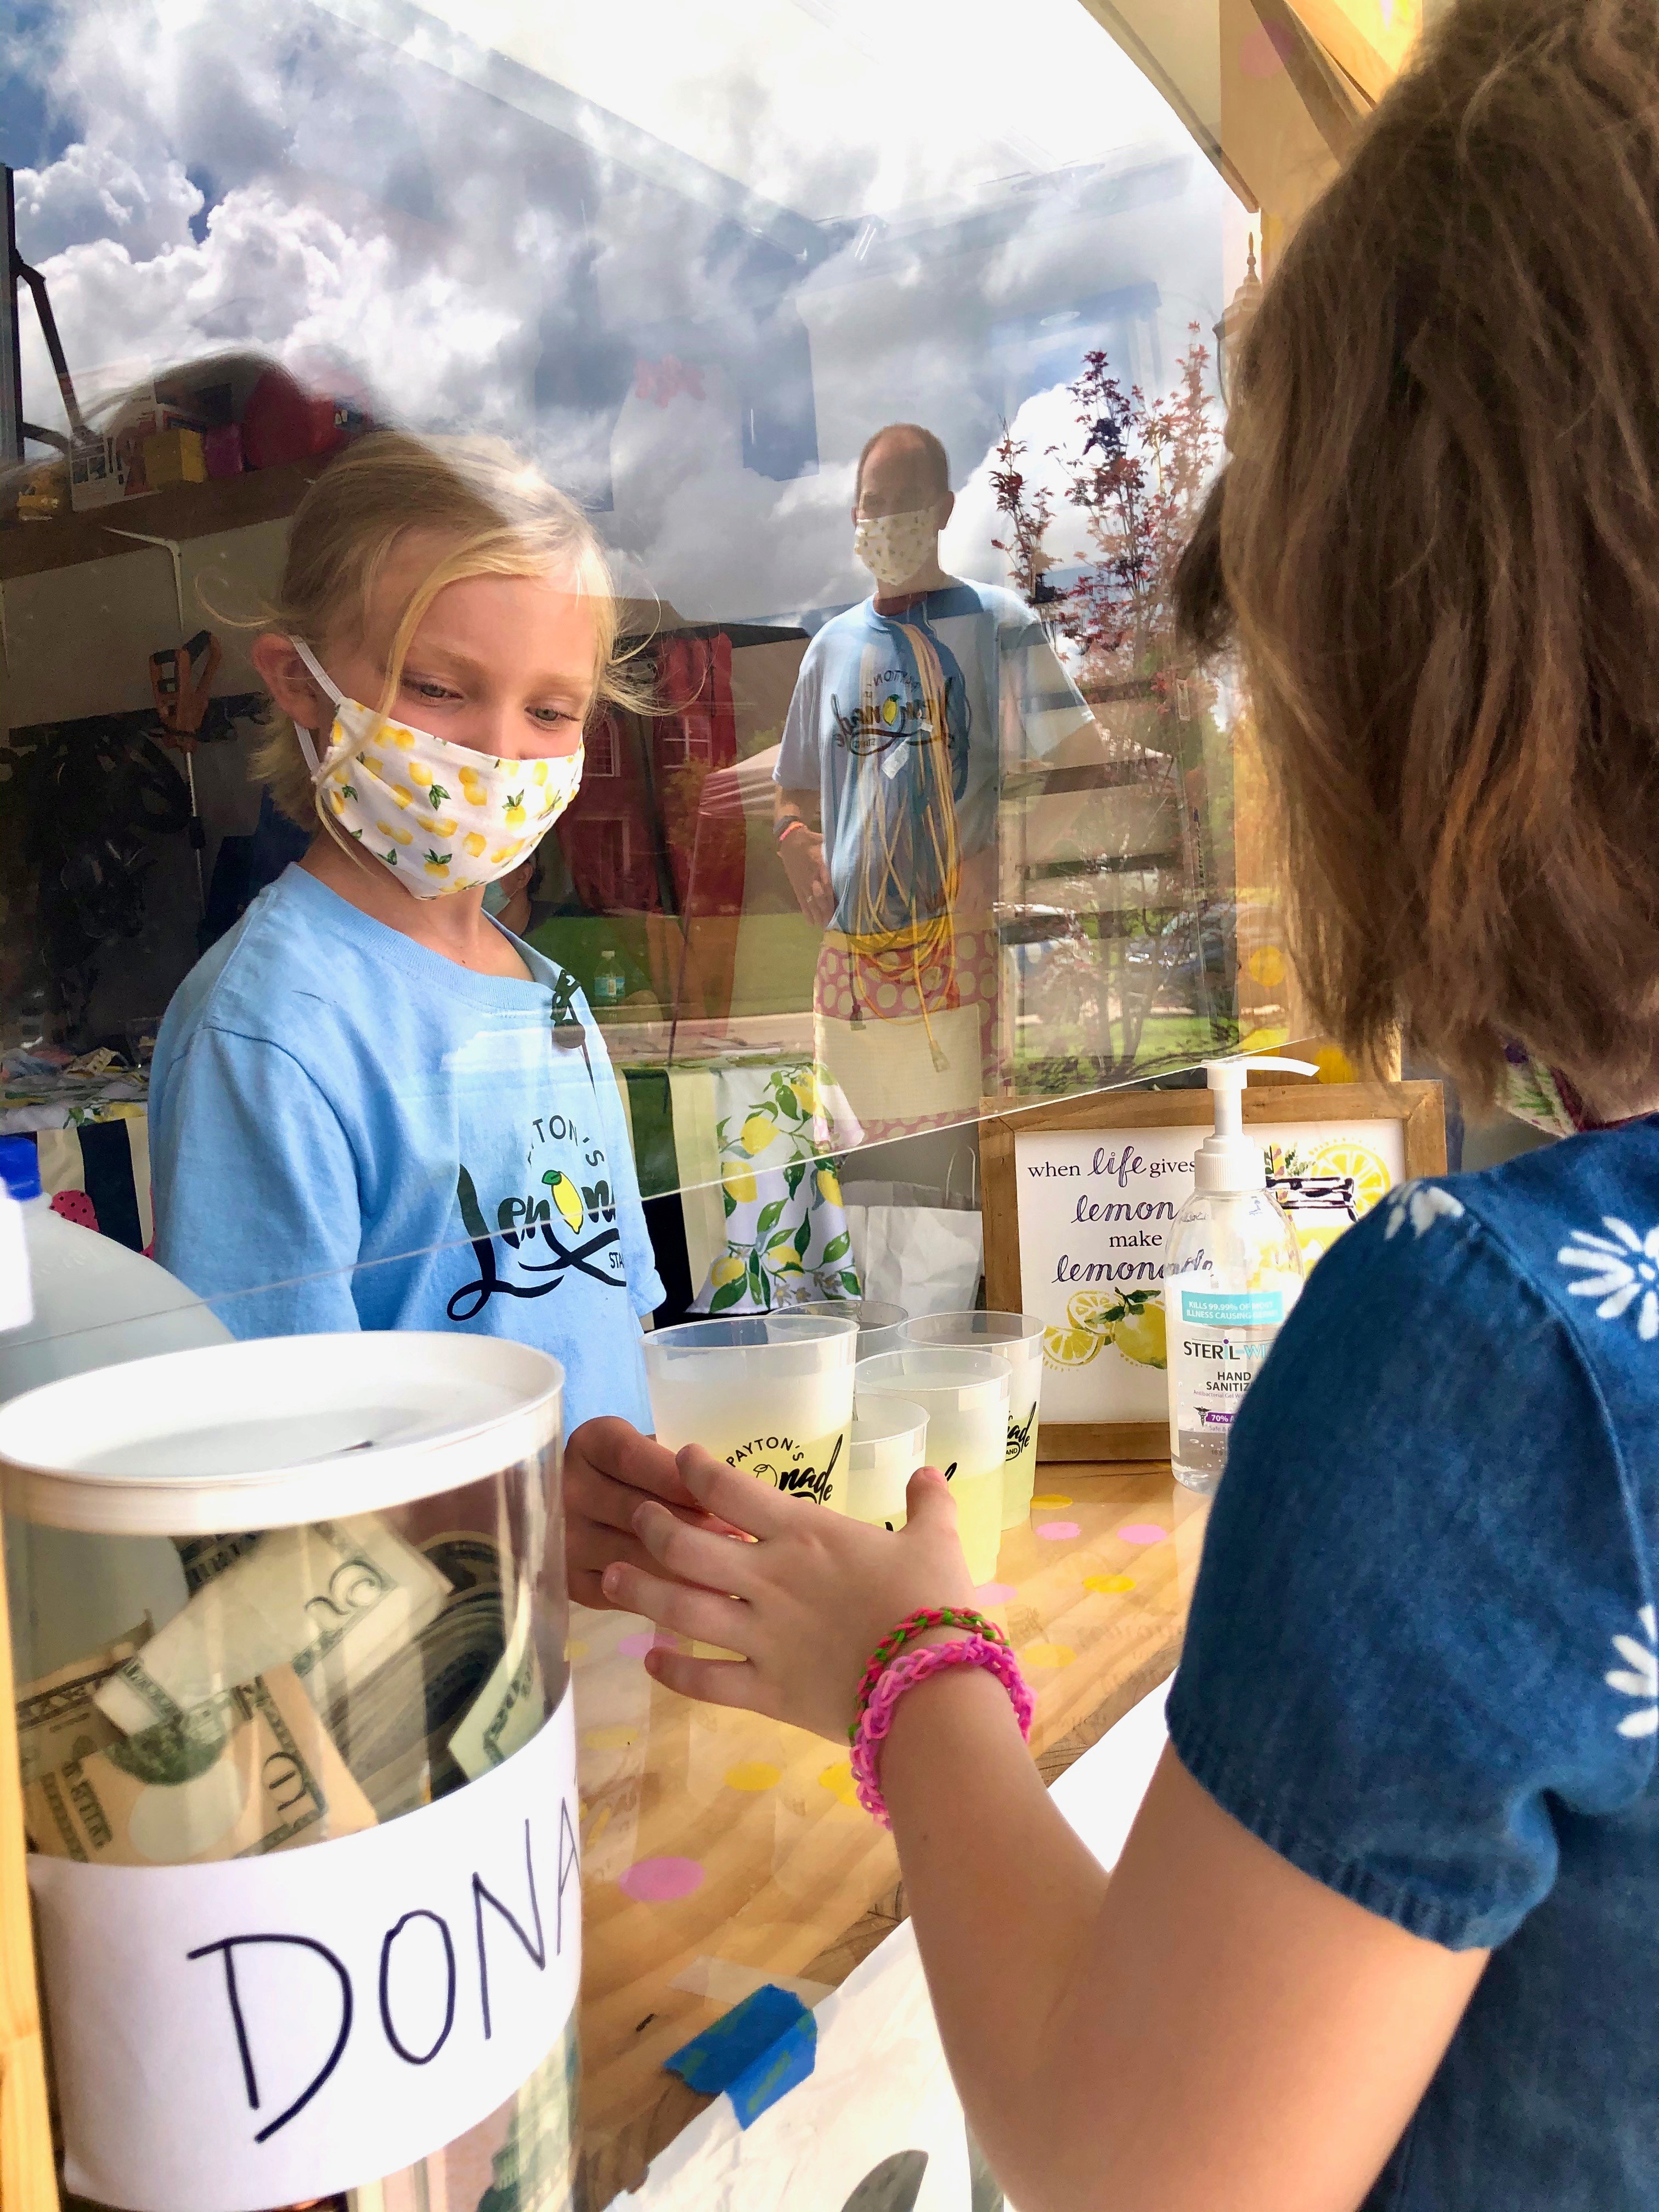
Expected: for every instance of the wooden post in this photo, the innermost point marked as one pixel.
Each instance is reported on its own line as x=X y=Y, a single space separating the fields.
x=28 y=2181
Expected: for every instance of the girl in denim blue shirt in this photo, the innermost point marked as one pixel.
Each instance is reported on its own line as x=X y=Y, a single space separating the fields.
x=1386 y=1932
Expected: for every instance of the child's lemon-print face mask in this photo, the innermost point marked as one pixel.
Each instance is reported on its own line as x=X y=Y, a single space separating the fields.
x=440 y=816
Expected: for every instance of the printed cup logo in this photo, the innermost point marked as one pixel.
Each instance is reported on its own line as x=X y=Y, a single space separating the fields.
x=804 y=1470
x=1019 y=1434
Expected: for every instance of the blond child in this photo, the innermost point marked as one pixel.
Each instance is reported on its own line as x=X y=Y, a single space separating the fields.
x=372 y=1107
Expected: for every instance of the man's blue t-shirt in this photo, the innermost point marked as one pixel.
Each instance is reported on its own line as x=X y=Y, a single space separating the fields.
x=860 y=728
x=1421 y=1663
x=349 y=1131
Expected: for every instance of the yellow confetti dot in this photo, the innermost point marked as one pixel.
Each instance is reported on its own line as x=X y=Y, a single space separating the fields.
x=754 y=1774
x=1049 y=1505
x=1109 y=1585
x=617 y=1737
x=838 y=1781
x=575 y=1649
x=1047 y=1655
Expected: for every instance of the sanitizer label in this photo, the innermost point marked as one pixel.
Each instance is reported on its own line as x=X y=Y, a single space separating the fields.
x=1217 y=1341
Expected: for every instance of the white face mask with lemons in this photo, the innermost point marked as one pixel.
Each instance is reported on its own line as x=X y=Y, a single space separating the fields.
x=442 y=817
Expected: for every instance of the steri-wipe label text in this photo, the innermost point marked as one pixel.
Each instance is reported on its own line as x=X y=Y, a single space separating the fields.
x=1217 y=1340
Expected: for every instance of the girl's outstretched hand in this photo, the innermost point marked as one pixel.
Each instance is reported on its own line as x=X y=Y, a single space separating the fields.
x=803 y=1604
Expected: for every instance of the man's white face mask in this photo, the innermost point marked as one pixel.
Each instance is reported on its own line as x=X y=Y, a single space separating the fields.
x=896 y=547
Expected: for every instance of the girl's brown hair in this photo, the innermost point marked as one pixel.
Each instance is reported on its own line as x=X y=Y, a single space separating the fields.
x=1436 y=543
x=496 y=517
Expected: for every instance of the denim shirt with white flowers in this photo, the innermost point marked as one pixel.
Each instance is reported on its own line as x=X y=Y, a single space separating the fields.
x=1421 y=1662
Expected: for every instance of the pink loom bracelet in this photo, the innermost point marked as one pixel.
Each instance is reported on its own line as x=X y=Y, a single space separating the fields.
x=903 y=1674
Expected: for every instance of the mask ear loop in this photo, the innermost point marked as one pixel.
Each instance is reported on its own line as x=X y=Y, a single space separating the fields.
x=319 y=768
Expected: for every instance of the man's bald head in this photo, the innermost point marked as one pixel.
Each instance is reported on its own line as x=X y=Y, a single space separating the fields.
x=902 y=467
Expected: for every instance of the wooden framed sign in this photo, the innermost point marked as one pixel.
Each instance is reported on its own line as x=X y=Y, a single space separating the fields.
x=1078 y=1196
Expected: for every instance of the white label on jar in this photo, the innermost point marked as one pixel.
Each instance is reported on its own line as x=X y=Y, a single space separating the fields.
x=1215 y=1341
x=261 y=2030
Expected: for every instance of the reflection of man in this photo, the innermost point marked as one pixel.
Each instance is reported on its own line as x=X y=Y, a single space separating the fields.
x=909 y=708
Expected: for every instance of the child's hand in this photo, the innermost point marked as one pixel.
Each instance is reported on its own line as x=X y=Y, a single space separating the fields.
x=809 y=1600
x=609 y=1468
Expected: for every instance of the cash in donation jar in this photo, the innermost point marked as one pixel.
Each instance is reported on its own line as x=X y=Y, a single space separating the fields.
x=1232 y=1271
x=299 y=1776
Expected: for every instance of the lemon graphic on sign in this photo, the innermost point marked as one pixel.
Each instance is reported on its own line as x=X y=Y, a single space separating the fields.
x=1069 y=1347
x=1342 y=1157
x=1138 y=1334
x=758 y=1131
x=566 y=1197
x=1266 y=966
x=739 y=1182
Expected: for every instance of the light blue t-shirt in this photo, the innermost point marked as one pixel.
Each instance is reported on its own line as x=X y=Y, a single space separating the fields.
x=860 y=728
x=347 y=1131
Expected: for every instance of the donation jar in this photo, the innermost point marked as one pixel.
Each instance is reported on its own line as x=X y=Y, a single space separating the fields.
x=298 y=1773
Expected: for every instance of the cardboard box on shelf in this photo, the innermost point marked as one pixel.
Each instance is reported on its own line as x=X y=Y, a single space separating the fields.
x=173 y=456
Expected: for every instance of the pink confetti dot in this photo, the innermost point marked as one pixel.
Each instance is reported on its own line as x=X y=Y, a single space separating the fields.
x=1060 y=1532
x=1142 y=1532
x=636 y=1646
x=996 y=1593
x=659 y=1881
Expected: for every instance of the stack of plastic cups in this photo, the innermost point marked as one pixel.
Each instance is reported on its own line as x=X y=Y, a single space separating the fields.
x=299 y=1772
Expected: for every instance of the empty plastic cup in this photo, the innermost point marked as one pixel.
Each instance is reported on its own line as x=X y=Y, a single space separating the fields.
x=1017 y=1337
x=771 y=1394
x=889 y=1442
x=881 y=1327
x=964 y=1395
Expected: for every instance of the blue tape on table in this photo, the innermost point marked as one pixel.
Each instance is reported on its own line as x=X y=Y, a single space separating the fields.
x=762 y=2048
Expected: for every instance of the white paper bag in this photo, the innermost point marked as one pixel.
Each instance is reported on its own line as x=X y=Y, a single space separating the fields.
x=926 y=1259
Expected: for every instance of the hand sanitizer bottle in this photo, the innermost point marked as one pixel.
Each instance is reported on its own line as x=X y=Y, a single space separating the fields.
x=1232 y=1271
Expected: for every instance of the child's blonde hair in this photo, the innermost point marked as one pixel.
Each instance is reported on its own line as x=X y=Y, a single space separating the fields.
x=500 y=519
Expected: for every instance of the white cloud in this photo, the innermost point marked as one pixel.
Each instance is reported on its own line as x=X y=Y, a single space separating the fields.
x=372 y=211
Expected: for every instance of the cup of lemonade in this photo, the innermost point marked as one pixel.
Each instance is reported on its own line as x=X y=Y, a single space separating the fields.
x=964 y=1395
x=770 y=1394
x=1017 y=1337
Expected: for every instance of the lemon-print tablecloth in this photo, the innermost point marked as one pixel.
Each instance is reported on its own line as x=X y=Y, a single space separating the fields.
x=778 y=1131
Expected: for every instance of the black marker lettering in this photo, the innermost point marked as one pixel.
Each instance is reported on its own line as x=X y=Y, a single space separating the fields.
x=537 y=1950
x=416 y=2057
x=228 y=1947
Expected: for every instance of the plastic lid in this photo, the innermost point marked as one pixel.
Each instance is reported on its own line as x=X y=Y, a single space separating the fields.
x=20 y=1167
x=274 y=1432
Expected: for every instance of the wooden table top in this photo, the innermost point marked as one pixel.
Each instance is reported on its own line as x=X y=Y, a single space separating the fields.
x=721 y=1850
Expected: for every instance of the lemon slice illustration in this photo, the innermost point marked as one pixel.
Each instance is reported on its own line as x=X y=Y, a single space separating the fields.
x=1070 y=1347
x=1090 y=1309
x=1341 y=1156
